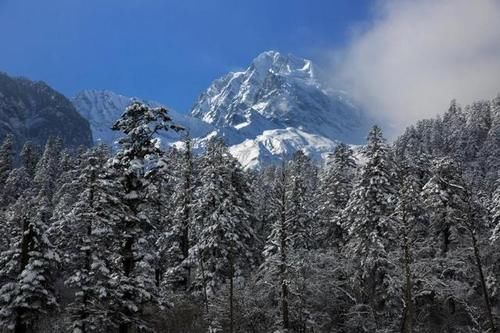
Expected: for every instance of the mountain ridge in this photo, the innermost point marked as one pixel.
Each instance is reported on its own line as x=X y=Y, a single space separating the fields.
x=32 y=110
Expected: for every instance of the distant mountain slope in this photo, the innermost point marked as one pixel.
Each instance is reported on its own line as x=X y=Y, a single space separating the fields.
x=34 y=111
x=102 y=108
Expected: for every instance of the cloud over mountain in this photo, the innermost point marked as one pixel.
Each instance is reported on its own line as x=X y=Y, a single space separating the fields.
x=415 y=56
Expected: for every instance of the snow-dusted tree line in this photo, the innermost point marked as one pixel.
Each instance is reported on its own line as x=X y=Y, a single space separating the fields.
x=399 y=237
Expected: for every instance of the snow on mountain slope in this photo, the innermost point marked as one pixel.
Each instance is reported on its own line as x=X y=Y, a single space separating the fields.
x=102 y=108
x=273 y=145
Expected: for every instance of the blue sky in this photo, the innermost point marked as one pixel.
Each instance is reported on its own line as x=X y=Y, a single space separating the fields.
x=163 y=50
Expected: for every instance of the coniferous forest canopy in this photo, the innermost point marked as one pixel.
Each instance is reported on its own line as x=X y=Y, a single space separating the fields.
x=395 y=237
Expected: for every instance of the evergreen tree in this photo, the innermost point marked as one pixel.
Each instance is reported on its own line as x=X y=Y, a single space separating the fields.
x=30 y=157
x=137 y=156
x=177 y=240
x=225 y=237
x=303 y=181
x=48 y=168
x=6 y=158
x=371 y=229
x=85 y=235
x=16 y=185
x=277 y=247
x=291 y=233
x=456 y=218
x=27 y=290
x=495 y=214
x=490 y=150
x=333 y=195
x=411 y=224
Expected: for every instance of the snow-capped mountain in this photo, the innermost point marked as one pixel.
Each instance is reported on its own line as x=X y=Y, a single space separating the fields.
x=102 y=108
x=277 y=106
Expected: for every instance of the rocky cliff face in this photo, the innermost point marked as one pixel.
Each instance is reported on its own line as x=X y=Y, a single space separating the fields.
x=34 y=111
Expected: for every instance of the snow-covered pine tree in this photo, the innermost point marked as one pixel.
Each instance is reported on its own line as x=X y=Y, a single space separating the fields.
x=411 y=222
x=444 y=200
x=26 y=269
x=371 y=230
x=262 y=189
x=30 y=156
x=336 y=184
x=48 y=168
x=159 y=209
x=6 y=158
x=495 y=213
x=291 y=232
x=454 y=133
x=303 y=182
x=16 y=184
x=490 y=150
x=225 y=238
x=137 y=156
x=456 y=219
x=176 y=241
x=68 y=188
x=277 y=248
x=84 y=235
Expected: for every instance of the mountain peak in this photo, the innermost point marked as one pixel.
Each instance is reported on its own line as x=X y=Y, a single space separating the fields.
x=278 y=91
x=280 y=64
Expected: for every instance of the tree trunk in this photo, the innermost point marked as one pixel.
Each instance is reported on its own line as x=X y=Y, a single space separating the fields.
x=205 y=294
x=283 y=254
x=284 y=282
x=128 y=267
x=20 y=327
x=483 y=281
x=26 y=247
x=407 y=326
x=231 y=291
x=88 y=253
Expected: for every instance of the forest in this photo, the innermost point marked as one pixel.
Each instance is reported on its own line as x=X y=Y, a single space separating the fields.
x=385 y=237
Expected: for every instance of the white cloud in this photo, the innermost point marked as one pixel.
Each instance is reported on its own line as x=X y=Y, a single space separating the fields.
x=415 y=56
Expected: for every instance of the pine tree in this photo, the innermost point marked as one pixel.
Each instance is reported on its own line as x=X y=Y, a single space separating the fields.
x=410 y=217
x=30 y=157
x=262 y=191
x=48 y=168
x=456 y=218
x=225 y=237
x=160 y=209
x=177 y=240
x=490 y=150
x=27 y=290
x=18 y=182
x=277 y=248
x=370 y=227
x=495 y=214
x=292 y=230
x=303 y=181
x=333 y=195
x=6 y=158
x=85 y=236
x=444 y=200
x=137 y=156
